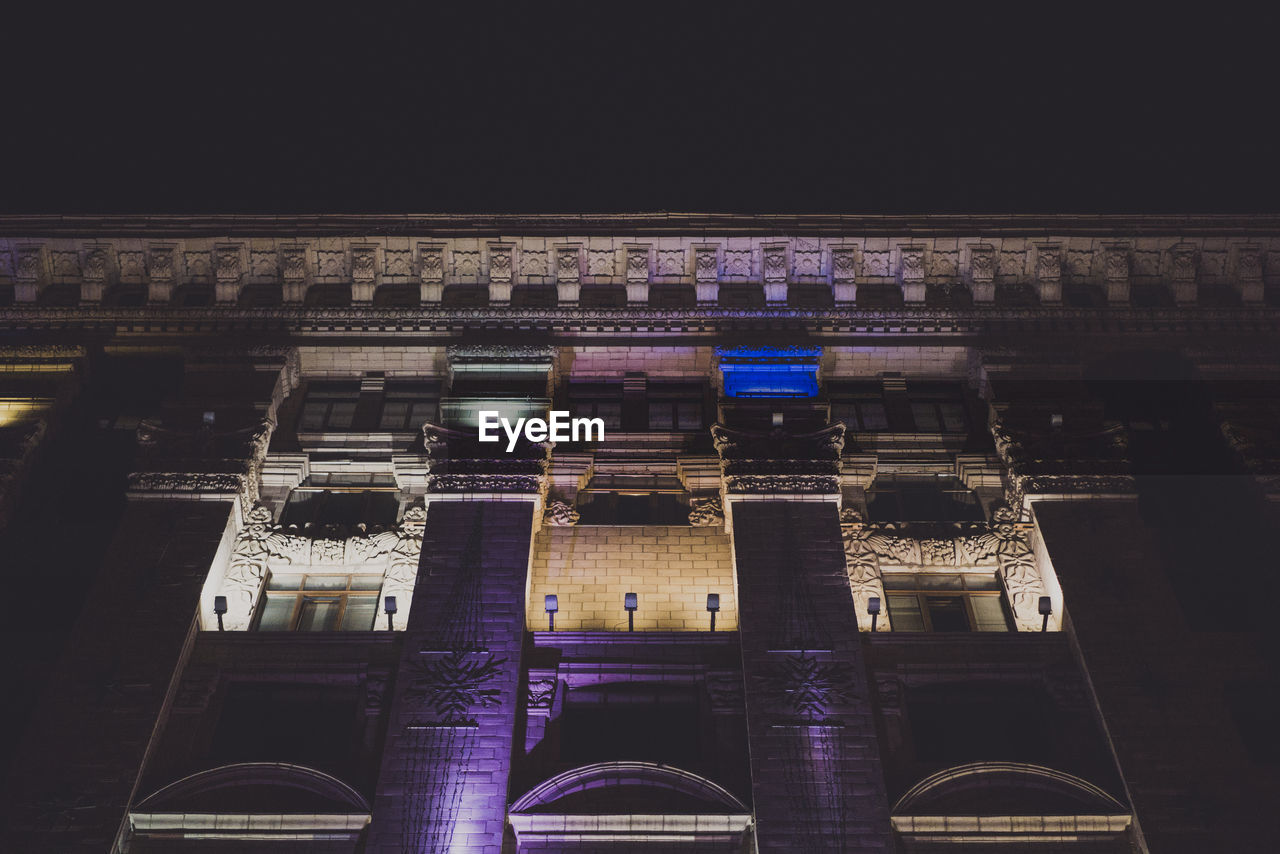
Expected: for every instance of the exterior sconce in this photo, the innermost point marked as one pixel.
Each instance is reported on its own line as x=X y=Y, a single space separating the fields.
x=713 y=605
x=219 y=608
x=551 y=604
x=629 y=601
x=389 y=605
x=1055 y=421
x=873 y=608
x=1046 y=608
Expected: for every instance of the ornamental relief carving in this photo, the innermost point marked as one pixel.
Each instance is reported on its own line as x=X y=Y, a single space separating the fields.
x=809 y=686
x=560 y=514
x=1003 y=545
x=705 y=512
x=261 y=546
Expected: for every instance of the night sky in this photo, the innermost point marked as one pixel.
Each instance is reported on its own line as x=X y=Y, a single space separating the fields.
x=211 y=108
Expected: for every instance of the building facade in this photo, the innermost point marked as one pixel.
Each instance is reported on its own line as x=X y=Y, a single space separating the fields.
x=903 y=534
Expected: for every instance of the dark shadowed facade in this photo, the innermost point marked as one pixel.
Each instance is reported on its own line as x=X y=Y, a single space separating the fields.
x=267 y=592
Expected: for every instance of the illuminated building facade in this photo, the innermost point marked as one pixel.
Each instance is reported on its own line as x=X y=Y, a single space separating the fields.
x=275 y=596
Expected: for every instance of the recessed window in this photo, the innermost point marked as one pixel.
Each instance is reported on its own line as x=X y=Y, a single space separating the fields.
x=329 y=407
x=597 y=400
x=861 y=411
x=675 y=407
x=945 y=602
x=407 y=406
x=305 y=602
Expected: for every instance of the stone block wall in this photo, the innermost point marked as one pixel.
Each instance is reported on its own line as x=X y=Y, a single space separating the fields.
x=670 y=568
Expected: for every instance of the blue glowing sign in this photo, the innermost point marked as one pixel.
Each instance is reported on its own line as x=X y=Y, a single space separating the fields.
x=769 y=371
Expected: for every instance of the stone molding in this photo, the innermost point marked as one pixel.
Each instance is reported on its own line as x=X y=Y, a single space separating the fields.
x=1241 y=260
x=779 y=463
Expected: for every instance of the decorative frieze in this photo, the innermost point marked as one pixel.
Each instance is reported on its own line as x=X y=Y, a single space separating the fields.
x=775 y=263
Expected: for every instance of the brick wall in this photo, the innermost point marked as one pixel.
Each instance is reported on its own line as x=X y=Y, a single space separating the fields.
x=407 y=362
x=670 y=568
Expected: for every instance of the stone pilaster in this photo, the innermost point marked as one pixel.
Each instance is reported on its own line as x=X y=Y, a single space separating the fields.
x=450 y=737
x=817 y=781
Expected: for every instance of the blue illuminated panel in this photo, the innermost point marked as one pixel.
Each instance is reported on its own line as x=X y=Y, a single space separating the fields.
x=769 y=371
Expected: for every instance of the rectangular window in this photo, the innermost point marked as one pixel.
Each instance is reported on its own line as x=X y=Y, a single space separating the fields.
x=407 y=406
x=597 y=400
x=329 y=407
x=677 y=407
x=306 y=602
x=945 y=602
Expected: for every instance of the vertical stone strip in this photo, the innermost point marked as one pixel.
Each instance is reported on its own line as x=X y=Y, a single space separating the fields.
x=817 y=781
x=449 y=747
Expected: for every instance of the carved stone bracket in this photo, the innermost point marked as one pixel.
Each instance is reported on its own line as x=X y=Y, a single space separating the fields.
x=1050 y=462
x=780 y=462
x=458 y=463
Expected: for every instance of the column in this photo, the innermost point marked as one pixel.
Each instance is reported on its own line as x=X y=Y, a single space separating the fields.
x=816 y=776
x=450 y=738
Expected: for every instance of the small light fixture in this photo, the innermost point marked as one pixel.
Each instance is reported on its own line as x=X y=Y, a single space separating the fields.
x=713 y=605
x=1046 y=608
x=209 y=418
x=1055 y=421
x=630 y=602
x=873 y=608
x=389 y=606
x=551 y=604
x=777 y=419
x=219 y=608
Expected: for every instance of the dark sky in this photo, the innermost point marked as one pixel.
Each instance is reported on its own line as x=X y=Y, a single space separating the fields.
x=556 y=108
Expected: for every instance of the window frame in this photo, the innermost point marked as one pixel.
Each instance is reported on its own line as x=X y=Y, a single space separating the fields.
x=963 y=593
x=300 y=595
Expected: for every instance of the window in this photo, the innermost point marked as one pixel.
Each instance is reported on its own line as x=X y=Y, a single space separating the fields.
x=674 y=407
x=921 y=499
x=407 y=406
x=329 y=407
x=939 y=416
x=861 y=412
x=597 y=400
x=306 y=602
x=945 y=602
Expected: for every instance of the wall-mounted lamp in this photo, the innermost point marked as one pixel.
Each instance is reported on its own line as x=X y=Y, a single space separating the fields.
x=209 y=418
x=389 y=605
x=1055 y=421
x=713 y=605
x=873 y=608
x=629 y=601
x=219 y=608
x=1046 y=608
x=777 y=419
x=551 y=604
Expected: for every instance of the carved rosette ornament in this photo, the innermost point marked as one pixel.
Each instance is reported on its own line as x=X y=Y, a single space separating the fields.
x=808 y=687
x=448 y=688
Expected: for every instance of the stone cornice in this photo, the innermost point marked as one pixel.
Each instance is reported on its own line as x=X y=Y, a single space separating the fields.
x=546 y=322
x=171 y=226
